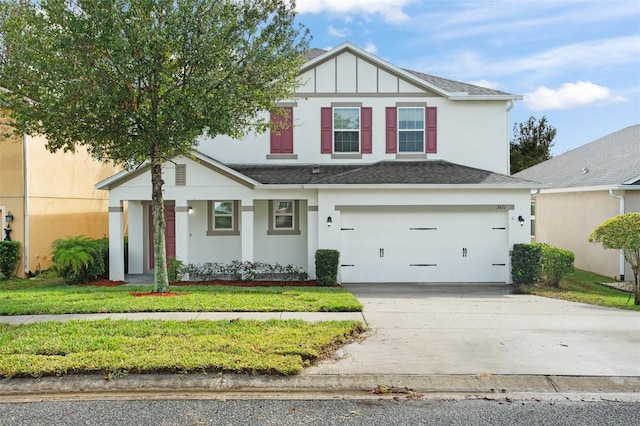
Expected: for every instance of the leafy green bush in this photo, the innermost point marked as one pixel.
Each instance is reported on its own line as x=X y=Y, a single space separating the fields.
x=9 y=258
x=526 y=263
x=79 y=259
x=327 y=266
x=556 y=263
x=175 y=270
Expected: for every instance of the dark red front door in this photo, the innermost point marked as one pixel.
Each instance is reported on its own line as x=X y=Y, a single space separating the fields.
x=169 y=235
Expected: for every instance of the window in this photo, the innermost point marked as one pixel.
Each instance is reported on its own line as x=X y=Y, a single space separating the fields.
x=411 y=129
x=533 y=220
x=284 y=217
x=346 y=129
x=223 y=218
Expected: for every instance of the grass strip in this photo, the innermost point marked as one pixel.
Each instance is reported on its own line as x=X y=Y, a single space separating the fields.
x=114 y=347
x=60 y=298
x=583 y=286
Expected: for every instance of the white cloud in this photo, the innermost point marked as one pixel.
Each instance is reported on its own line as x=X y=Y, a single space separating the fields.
x=338 y=32
x=370 y=47
x=390 y=10
x=569 y=95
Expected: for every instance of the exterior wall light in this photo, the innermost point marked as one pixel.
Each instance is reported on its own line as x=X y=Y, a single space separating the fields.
x=329 y=221
x=7 y=231
x=9 y=218
x=521 y=220
x=190 y=209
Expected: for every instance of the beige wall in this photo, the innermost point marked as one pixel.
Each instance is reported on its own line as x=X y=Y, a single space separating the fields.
x=60 y=196
x=566 y=220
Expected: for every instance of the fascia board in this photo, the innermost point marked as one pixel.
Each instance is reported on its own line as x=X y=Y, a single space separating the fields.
x=466 y=97
x=420 y=186
x=590 y=189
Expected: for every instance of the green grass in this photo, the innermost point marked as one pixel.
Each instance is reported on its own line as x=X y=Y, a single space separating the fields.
x=119 y=347
x=582 y=286
x=52 y=296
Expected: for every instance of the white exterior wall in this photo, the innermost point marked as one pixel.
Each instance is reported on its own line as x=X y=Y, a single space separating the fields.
x=473 y=134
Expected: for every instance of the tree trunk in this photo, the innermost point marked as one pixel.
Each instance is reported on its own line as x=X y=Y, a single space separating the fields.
x=637 y=288
x=160 y=277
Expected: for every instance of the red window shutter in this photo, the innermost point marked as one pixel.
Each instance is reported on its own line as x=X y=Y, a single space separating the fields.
x=432 y=130
x=326 y=129
x=365 y=130
x=392 y=130
x=282 y=132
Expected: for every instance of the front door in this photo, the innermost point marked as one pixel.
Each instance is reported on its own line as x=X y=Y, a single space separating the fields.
x=169 y=235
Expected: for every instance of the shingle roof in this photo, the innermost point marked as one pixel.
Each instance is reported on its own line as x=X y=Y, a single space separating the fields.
x=429 y=172
x=611 y=160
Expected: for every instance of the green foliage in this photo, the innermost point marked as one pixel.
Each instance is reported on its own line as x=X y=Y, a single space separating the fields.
x=23 y=297
x=526 y=263
x=175 y=270
x=556 y=263
x=79 y=259
x=327 y=266
x=122 y=346
x=9 y=258
x=138 y=81
x=622 y=233
x=242 y=271
x=531 y=143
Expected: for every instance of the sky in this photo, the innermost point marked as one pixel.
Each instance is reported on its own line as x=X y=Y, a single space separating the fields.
x=576 y=62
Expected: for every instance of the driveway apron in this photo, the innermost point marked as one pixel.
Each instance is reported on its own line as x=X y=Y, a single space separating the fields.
x=428 y=329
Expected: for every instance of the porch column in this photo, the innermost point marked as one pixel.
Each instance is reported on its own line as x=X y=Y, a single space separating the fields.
x=182 y=232
x=136 y=237
x=247 y=231
x=116 y=243
x=312 y=240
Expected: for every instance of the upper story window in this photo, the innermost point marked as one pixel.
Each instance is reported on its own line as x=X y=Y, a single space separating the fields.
x=411 y=129
x=346 y=129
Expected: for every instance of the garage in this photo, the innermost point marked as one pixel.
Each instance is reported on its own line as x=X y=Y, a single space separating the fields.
x=432 y=244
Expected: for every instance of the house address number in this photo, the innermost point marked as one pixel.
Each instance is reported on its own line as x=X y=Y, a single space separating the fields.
x=502 y=207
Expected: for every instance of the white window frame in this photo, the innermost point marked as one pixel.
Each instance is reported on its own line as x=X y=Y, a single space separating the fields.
x=295 y=218
x=336 y=129
x=424 y=130
x=212 y=229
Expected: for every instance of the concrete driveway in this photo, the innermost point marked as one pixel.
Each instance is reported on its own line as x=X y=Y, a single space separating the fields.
x=485 y=329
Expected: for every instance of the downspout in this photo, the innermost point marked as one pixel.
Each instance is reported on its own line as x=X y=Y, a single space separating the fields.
x=510 y=105
x=621 y=198
x=25 y=141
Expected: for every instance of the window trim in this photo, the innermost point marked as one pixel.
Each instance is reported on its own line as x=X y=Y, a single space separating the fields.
x=358 y=130
x=424 y=128
x=235 y=216
x=295 y=230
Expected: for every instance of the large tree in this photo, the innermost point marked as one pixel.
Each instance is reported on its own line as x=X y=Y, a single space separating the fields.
x=531 y=143
x=622 y=233
x=137 y=81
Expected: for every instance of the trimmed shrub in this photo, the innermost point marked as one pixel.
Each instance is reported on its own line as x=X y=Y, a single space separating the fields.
x=327 y=266
x=79 y=259
x=556 y=263
x=526 y=263
x=9 y=258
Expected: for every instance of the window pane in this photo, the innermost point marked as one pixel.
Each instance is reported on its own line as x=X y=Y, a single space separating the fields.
x=223 y=222
x=284 y=207
x=346 y=118
x=284 y=221
x=410 y=118
x=346 y=142
x=411 y=141
x=223 y=207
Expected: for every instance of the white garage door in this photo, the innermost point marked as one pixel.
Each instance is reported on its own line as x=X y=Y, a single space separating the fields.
x=469 y=246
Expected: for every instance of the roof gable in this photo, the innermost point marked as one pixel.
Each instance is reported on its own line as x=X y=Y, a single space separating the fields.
x=348 y=68
x=612 y=160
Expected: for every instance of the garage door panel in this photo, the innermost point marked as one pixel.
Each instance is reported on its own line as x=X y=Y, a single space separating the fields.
x=424 y=247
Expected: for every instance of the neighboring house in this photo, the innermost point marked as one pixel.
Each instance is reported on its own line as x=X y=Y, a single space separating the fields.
x=45 y=196
x=404 y=173
x=589 y=185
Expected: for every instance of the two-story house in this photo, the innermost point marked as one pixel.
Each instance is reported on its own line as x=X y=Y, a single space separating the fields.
x=404 y=173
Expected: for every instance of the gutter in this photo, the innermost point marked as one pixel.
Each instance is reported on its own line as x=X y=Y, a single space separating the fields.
x=622 y=211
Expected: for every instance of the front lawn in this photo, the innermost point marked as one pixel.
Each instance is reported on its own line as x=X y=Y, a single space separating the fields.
x=119 y=347
x=51 y=296
x=583 y=286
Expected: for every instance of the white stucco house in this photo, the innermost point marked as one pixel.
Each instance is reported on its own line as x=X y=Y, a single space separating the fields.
x=588 y=185
x=406 y=174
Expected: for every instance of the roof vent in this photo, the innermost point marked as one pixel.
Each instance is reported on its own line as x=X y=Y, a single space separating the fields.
x=585 y=170
x=315 y=169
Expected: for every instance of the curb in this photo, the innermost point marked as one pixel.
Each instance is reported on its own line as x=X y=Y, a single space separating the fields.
x=327 y=386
